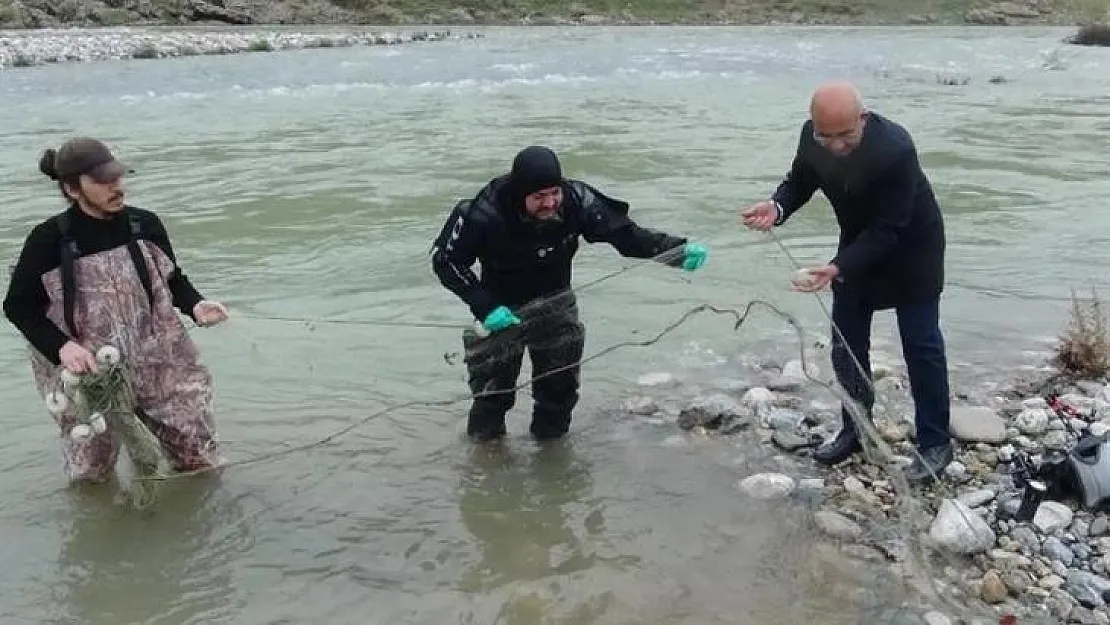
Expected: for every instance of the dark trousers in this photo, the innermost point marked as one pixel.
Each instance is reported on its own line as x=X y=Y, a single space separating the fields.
x=555 y=340
x=924 y=352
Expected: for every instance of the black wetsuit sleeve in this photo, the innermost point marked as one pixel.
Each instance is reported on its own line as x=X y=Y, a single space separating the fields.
x=185 y=295
x=636 y=241
x=456 y=250
x=26 y=301
x=607 y=220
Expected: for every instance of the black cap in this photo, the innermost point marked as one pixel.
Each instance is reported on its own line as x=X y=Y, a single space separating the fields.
x=83 y=155
x=534 y=168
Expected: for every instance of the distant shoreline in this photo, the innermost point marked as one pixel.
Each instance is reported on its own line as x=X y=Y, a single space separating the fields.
x=45 y=47
x=30 y=47
x=377 y=14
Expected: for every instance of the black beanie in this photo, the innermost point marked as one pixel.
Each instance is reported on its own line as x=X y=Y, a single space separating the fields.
x=534 y=168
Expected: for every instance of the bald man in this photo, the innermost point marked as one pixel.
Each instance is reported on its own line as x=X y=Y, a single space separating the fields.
x=890 y=256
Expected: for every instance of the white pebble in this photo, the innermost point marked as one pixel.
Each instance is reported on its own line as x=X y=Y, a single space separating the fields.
x=767 y=485
x=757 y=396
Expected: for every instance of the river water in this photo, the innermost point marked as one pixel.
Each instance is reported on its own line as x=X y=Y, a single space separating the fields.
x=309 y=185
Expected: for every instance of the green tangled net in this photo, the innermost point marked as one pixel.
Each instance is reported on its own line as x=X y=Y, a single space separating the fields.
x=104 y=403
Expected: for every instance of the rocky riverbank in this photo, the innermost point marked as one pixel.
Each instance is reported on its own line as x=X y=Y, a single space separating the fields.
x=54 y=13
x=1053 y=567
x=25 y=49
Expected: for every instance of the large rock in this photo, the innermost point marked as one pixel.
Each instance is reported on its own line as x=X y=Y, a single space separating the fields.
x=985 y=17
x=200 y=11
x=992 y=589
x=782 y=419
x=1014 y=9
x=958 y=529
x=767 y=486
x=1033 y=421
x=1054 y=549
x=1052 y=516
x=976 y=498
x=794 y=375
x=1089 y=589
x=759 y=400
x=977 y=424
x=837 y=525
x=711 y=412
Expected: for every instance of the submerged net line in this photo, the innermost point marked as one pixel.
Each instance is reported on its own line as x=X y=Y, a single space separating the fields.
x=910 y=511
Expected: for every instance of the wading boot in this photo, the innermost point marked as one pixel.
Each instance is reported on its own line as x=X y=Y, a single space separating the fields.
x=841 y=447
x=930 y=463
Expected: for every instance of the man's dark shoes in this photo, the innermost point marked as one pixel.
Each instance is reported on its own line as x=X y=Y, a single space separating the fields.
x=930 y=463
x=840 y=448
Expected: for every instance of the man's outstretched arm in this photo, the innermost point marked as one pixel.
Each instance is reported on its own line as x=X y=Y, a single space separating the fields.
x=454 y=253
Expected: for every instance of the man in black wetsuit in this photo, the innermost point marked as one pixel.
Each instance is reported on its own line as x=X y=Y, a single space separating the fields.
x=891 y=255
x=523 y=227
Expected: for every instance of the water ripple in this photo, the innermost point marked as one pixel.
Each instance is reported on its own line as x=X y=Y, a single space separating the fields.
x=311 y=184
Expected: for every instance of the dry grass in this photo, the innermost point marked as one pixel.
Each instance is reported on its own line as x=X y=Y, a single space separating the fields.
x=1084 y=348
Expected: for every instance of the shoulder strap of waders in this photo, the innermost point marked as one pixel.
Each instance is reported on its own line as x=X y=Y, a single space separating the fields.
x=69 y=254
x=137 y=256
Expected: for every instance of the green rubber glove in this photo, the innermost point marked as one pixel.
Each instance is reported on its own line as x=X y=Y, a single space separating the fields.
x=696 y=255
x=499 y=319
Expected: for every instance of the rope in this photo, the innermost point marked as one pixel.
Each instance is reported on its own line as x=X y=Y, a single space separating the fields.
x=663 y=257
x=654 y=260
x=874 y=446
x=357 y=322
x=859 y=418
x=872 y=441
x=740 y=316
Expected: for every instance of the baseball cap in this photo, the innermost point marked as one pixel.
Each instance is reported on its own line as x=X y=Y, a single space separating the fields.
x=84 y=155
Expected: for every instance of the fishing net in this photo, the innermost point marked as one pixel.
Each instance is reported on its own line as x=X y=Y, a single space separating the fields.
x=938 y=543
x=104 y=403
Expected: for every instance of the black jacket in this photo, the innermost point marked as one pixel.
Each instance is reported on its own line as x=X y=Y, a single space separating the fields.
x=521 y=260
x=892 y=241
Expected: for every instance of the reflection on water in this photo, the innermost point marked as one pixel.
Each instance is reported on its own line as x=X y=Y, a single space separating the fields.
x=119 y=565
x=547 y=554
x=516 y=506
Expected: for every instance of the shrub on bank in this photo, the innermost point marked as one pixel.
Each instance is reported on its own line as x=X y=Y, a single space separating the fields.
x=1092 y=35
x=1084 y=348
x=1094 y=21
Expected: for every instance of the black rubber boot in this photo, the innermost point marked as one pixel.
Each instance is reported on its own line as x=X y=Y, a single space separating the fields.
x=841 y=447
x=930 y=463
